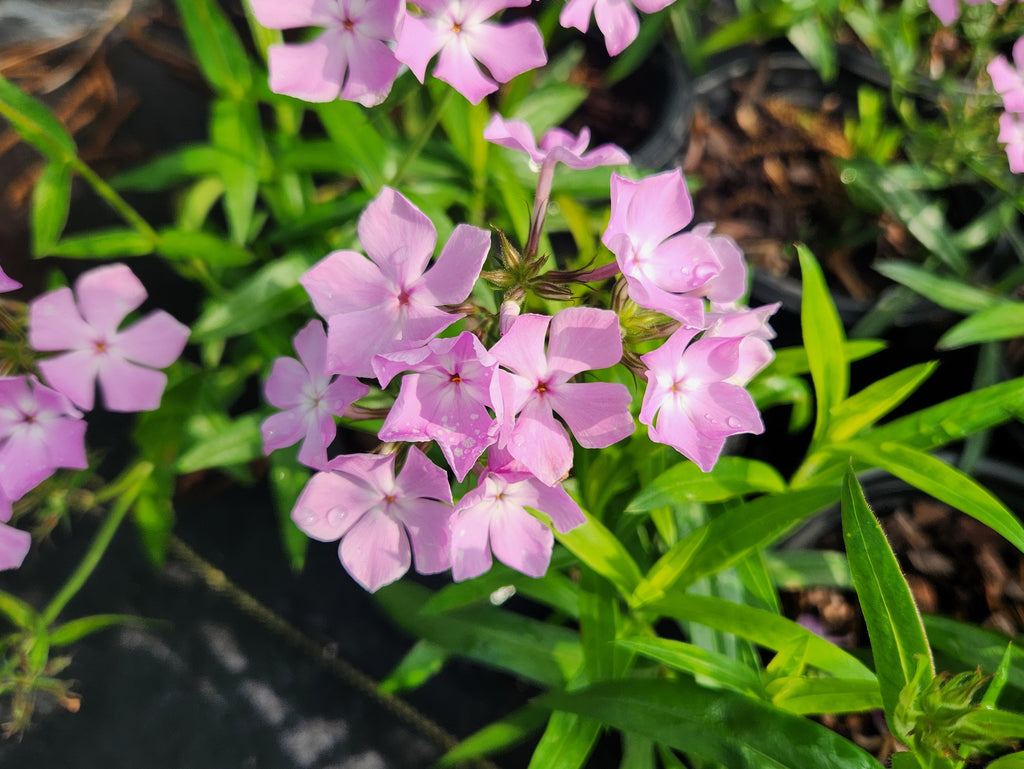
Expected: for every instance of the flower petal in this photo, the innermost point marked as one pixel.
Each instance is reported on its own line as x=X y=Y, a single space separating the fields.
x=397 y=236
x=583 y=338
x=312 y=71
x=106 y=295
x=127 y=387
x=457 y=67
x=419 y=477
x=450 y=279
x=522 y=348
x=330 y=504
x=155 y=341
x=375 y=552
x=521 y=541
x=345 y=281
x=14 y=546
x=597 y=412
x=54 y=323
x=274 y=14
x=540 y=442
x=470 y=536
x=428 y=527
x=507 y=50
x=74 y=374
x=285 y=428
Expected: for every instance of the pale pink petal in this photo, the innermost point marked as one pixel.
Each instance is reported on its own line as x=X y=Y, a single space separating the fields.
x=948 y=11
x=577 y=13
x=319 y=434
x=6 y=510
x=554 y=502
x=286 y=383
x=330 y=504
x=386 y=367
x=127 y=387
x=285 y=428
x=428 y=525
x=156 y=341
x=583 y=338
x=688 y=310
x=418 y=41
x=14 y=546
x=378 y=18
x=507 y=50
x=344 y=281
x=470 y=536
x=652 y=6
x=597 y=412
x=540 y=442
x=355 y=337
x=522 y=348
x=375 y=551
x=372 y=68
x=514 y=134
x=724 y=409
x=289 y=14
x=650 y=210
x=106 y=295
x=24 y=463
x=54 y=323
x=457 y=67
x=509 y=393
x=618 y=23
x=450 y=279
x=312 y=71
x=419 y=477
x=478 y=10
x=342 y=392
x=311 y=344
x=397 y=236
x=521 y=541
x=7 y=283
x=681 y=263
x=74 y=374
x=675 y=427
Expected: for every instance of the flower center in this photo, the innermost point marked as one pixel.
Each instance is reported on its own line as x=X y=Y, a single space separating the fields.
x=455 y=378
x=542 y=387
x=348 y=24
x=403 y=298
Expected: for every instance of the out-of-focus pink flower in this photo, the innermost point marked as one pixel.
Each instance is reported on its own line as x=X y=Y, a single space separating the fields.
x=14 y=543
x=669 y=272
x=390 y=301
x=124 y=362
x=460 y=32
x=375 y=515
x=948 y=11
x=556 y=146
x=444 y=399
x=617 y=19
x=1011 y=133
x=581 y=338
x=7 y=283
x=1008 y=79
x=349 y=60
x=40 y=431
x=310 y=399
x=692 y=401
x=493 y=517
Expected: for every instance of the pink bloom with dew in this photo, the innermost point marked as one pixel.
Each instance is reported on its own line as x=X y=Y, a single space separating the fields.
x=309 y=398
x=390 y=301
x=695 y=398
x=349 y=60
x=444 y=398
x=7 y=283
x=581 y=338
x=376 y=515
x=124 y=362
x=459 y=31
x=1011 y=133
x=494 y=517
x=556 y=146
x=40 y=431
x=666 y=270
x=1008 y=79
x=617 y=19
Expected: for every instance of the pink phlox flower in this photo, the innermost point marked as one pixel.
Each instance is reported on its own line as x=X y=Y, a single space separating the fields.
x=124 y=362
x=669 y=272
x=7 y=283
x=390 y=301
x=349 y=60
x=494 y=517
x=691 y=402
x=309 y=398
x=14 y=543
x=40 y=431
x=617 y=19
x=460 y=31
x=1008 y=79
x=751 y=327
x=445 y=398
x=556 y=146
x=581 y=338
x=1011 y=133
x=375 y=515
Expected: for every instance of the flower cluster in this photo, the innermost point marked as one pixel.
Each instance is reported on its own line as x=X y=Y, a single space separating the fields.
x=364 y=43
x=508 y=408
x=1008 y=80
x=41 y=426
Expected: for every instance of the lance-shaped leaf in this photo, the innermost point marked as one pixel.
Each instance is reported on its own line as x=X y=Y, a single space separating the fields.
x=685 y=482
x=1004 y=321
x=876 y=400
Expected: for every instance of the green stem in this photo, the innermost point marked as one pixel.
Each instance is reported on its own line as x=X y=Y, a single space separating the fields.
x=132 y=483
x=420 y=141
x=115 y=201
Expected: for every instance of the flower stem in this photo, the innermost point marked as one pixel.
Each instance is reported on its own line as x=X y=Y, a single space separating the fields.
x=115 y=201
x=420 y=141
x=132 y=482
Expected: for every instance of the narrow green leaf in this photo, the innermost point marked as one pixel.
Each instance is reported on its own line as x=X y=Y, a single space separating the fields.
x=824 y=339
x=182 y=244
x=815 y=696
x=35 y=123
x=999 y=678
x=239 y=442
x=421 y=663
x=353 y=135
x=718 y=725
x=217 y=47
x=496 y=736
x=995 y=724
x=17 y=611
x=893 y=621
x=548 y=106
x=235 y=128
x=172 y=168
x=685 y=482
x=566 y=742
x=153 y=514
x=1004 y=321
x=599 y=625
x=678 y=655
x=790 y=361
x=876 y=400
x=51 y=198
x=967 y=646
x=287 y=480
x=799 y=569
x=104 y=244
x=597 y=547
x=76 y=629
x=952 y=294
x=1012 y=761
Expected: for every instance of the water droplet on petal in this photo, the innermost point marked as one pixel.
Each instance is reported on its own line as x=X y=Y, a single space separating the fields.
x=335 y=517
x=733 y=422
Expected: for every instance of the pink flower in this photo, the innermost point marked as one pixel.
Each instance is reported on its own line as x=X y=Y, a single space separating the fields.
x=556 y=146
x=597 y=412
x=459 y=30
x=948 y=11
x=349 y=60
x=616 y=19
x=1011 y=133
x=310 y=399
x=7 y=283
x=390 y=301
x=122 y=361
x=40 y=431
x=668 y=272
x=693 y=400
x=1008 y=79
x=375 y=515
x=14 y=543
x=445 y=399
x=493 y=516
x=751 y=327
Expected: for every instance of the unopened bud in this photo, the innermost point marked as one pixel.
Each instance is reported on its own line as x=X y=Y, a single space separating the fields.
x=553 y=291
x=498 y=278
x=507 y=315
x=509 y=256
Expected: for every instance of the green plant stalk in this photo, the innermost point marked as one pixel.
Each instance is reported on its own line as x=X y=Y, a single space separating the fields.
x=132 y=484
x=115 y=201
x=420 y=141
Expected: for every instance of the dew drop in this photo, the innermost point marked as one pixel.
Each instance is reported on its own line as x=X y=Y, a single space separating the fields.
x=335 y=517
x=474 y=416
x=733 y=422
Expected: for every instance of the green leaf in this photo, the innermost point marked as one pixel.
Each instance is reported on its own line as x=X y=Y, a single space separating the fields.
x=51 y=198
x=240 y=441
x=218 y=49
x=76 y=629
x=763 y=628
x=549 y=106
x=566 y=742
x=999 y=678
x=267 y=295
x=790 y=361
x=599 y=619
x=235 y=128
x=678 y=655
x=724 y=540
x=170 y=169
x=421 y=663
x=597 y=547
x=18 y=612
x=496 y=736
x=685 y=482
x=1004 y=321
x=732 y=729
x=153 y=514
x=799 y=569
x=814 y=696
x=995 y=724
x=893 y=621
x=287 y=480
x=942 y=481
x=217 y=252
x=876 y=400
x=954 y=295
x=824 y=338
x=35 y=123
x=356 y=138
x=104 y=244
x=1012 y=761
x=816 y=44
